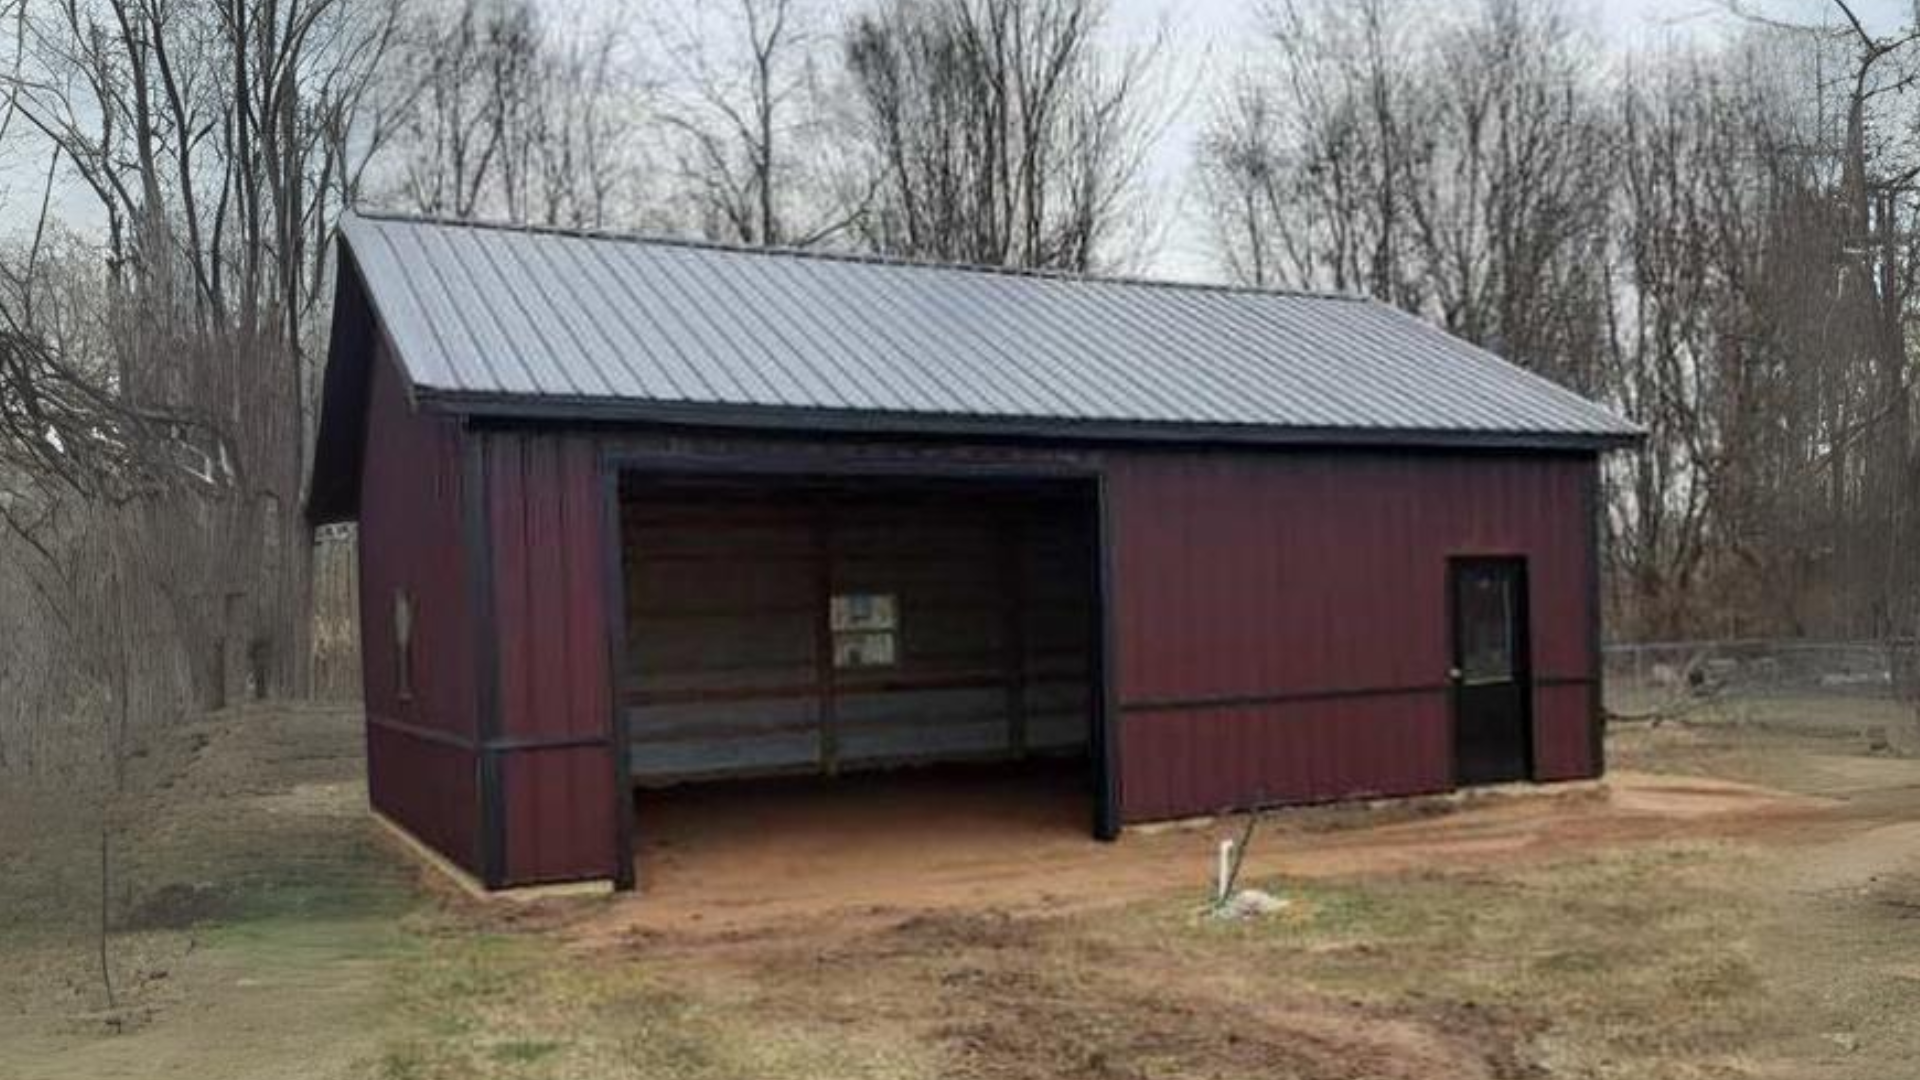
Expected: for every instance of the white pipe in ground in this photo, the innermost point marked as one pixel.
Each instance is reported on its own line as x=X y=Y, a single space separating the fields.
x=1224 y=881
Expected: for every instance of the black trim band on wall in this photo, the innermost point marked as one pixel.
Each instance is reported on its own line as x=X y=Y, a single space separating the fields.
x=535 y=743
x=642 y=465
x=477 y=525
x=1234 y=701
x=614 y=597
x=449 y=739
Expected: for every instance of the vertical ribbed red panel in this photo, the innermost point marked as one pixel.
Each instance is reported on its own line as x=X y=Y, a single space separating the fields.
x=420 y=745
x=1282 y=628
x=559 y=804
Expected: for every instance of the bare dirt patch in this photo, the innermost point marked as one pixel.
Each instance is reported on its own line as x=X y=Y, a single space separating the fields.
x=1002 y=996
x=835 y=858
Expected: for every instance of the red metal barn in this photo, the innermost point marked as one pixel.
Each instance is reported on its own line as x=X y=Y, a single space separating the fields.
x=637 y=513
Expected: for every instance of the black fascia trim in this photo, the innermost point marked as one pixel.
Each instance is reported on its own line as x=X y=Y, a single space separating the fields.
x=550 y=409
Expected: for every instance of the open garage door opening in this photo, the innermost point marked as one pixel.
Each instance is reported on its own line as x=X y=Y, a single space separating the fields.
x=800 y=651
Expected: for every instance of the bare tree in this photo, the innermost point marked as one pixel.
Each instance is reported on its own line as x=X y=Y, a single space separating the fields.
x=998 y=131
x=520 y=119
x=1726 y=249
x=1457 y=171
x=1311 y=161
x=749 y=121
x=220 y=142
x=81 y=469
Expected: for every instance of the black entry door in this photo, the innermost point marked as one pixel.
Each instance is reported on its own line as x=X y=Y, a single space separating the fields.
x=1492 y=694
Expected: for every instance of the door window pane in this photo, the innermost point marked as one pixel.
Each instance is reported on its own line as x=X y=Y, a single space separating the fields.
x=1486 y=625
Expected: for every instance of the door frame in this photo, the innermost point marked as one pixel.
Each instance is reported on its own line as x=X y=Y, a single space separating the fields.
x=619 y=463
x=1523 y=660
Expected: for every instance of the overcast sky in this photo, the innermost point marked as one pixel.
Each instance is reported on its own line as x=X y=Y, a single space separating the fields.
x=1206 y=42
x=1209 y=40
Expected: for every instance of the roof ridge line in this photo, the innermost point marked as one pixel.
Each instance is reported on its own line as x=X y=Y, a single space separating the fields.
x=779 y=251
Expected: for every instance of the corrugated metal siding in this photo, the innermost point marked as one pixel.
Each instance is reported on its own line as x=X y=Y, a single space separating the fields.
x=420 y=748
x=1563 y=721
x=1240 y=579
x=491 y=312
x=1202 y=761
x=559 y=802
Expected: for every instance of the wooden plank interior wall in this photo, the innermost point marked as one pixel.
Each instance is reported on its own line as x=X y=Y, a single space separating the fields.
x=729 y=668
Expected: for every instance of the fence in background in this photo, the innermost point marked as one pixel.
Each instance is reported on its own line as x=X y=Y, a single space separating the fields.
x=1653 y=677
x=336 y=622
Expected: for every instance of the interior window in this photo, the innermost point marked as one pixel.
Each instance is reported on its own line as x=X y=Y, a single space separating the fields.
x=866 y=630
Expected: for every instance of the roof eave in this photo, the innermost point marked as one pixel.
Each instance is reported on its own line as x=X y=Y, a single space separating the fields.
x=552 y=409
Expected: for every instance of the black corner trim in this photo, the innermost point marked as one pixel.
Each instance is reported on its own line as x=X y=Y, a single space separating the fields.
x=1108 y=800
x=1596 y=658
x=476 y=515
x=615 y=600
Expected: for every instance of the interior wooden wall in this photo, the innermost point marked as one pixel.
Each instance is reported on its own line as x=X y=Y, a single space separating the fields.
x=728 y=667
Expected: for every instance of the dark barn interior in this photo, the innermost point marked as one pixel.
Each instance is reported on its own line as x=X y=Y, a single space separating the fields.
x=781 y=633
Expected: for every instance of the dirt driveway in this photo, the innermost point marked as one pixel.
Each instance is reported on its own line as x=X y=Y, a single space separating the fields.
x=823 y=857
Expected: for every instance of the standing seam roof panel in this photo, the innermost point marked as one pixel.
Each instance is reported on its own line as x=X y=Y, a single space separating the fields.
x=404 y=308
x=677 y=337
x=1074 y=391
x=858 y=340
x=1398 y=404
x=1188 y=394
x=1542 y=393
x=956 y=371
x=1091 y=381
x=562 y=285
x=810 y=333
x=922 y=362
x=649 y=338
x=716 y=338
x=1312 y=363
x=1227 y=376
x=514 y=285
x=487 y=352
x=1218 y=374
x=747 y=325
x=516 y=315
x=754 y=304
x=496 y=351
x=1387 y=343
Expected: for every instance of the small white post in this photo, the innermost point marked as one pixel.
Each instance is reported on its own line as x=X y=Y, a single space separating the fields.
x=1225 y=872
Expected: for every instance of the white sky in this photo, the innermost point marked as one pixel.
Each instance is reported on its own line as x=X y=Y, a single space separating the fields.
x=1206 y=42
